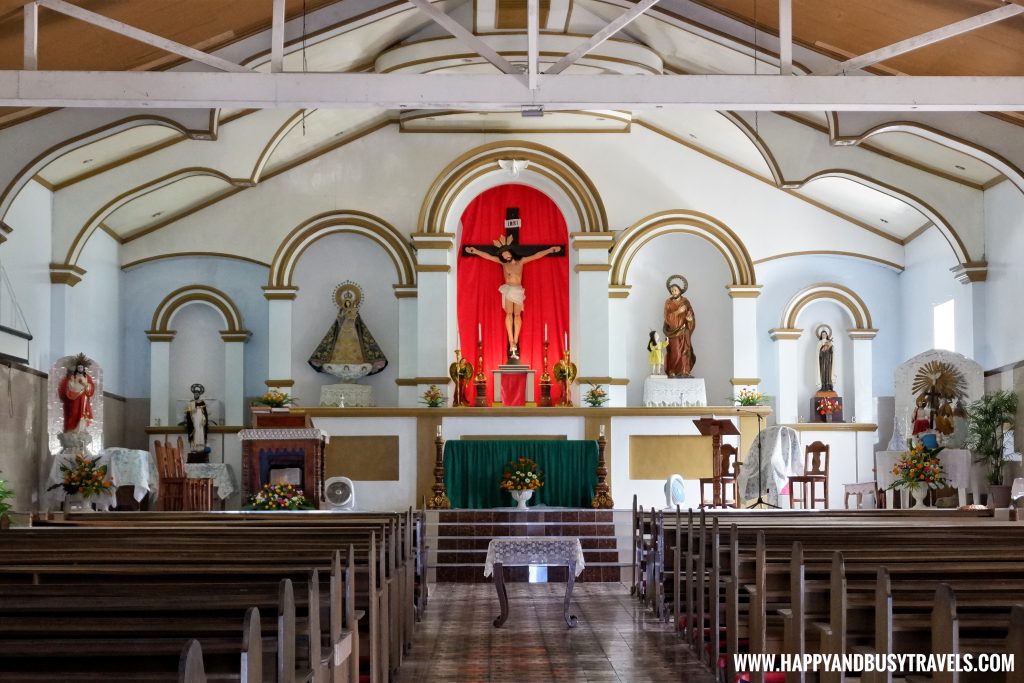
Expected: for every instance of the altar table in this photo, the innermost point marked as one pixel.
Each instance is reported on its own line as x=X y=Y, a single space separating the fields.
x=536 y=551
x=473 y=470
x=960 y=469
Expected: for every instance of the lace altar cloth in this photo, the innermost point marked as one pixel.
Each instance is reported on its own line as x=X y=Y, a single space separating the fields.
x=281 y=434
x=223 y=479
x=534 y=550
x=677 y=391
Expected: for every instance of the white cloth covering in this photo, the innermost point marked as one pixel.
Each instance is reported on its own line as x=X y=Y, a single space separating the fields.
x=514 y=293
x=537 y=550
x=780 y=459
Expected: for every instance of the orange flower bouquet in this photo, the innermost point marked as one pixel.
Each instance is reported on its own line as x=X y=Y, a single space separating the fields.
x=84 y=476
x=918 y=466
x=522 y=474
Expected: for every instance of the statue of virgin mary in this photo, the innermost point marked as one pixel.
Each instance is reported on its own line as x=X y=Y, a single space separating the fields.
x=348 y=350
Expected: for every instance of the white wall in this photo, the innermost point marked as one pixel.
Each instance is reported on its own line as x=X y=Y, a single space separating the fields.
x=926 y=282
x=1004 y=237
x=93 y=317
x=197 y=355
x=26 y=258
x=829 y=313
x=707 y=274
x=325 y=265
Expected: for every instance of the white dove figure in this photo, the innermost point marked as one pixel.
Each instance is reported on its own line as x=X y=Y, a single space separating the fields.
x=513 y=166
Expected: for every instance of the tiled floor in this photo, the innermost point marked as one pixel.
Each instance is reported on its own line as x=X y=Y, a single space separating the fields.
x=615 y=640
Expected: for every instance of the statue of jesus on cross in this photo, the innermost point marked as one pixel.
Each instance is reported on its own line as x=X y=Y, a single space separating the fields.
x=513 y=296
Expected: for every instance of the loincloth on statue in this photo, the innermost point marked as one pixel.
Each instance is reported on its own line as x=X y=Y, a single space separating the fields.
x=512 y=293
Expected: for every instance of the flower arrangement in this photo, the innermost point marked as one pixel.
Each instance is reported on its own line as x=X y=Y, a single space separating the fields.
x=522 y=474
x=84 y=476
x=749 y=397
x=279 y=497
x=433 y=397
x=276 y=399
x=918 y=466
x=826 y=406
x=596 y=396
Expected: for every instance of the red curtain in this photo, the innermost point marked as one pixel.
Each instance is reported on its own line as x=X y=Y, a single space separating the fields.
x=546 y=282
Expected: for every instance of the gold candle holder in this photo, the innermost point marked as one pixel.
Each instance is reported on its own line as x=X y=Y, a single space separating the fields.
x=545 y=379
x=481 y=380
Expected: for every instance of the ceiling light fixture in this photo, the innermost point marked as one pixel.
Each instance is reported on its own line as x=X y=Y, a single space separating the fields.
x=959 y=167
x=532 y=110
x=883 y=220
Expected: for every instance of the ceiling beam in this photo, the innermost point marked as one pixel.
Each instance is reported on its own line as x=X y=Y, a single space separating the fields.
x=31 y=44
x=464 y=36
x=786 y=37
x=277 y=37
x=532 y=42
x=138 y=34
x=613 y=27
x=182 y=89
x=917 y=42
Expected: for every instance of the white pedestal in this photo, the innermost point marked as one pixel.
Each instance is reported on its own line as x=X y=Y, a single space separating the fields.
x=346 y=396
x=683 y=392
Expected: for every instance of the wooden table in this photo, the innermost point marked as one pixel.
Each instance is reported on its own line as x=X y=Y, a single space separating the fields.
x=534 y=551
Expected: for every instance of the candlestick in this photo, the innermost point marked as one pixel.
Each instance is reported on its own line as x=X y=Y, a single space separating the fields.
x=458 y=338
x=480 y=331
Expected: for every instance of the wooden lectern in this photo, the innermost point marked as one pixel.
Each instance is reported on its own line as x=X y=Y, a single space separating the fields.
x=716 y=429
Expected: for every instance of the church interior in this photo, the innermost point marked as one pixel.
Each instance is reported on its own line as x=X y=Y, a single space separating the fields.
x=693 y=318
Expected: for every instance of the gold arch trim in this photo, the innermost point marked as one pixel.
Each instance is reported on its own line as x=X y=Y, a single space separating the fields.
x=544 y=161
x=160 y=329
x=842 y=295
x=95 y=221
x=316 y=228
x=727 y=242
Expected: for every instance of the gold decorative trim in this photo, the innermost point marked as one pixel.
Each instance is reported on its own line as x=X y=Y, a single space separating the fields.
x=458 y=174
x=44 y=182
x=998 y=180
x=432 y=268
x=592 y=268
x=745 y=381
x=234 y=336
x=828 y=252
x=279 y=383
x=744 y=291
x=155 y=336
x=134 y=156
x=188 y=254
x=433 y=244
x=61 y=274
x=374 y=228
x=197 y=294
x=280 y=293
x=834 y=427
x=685 y=221
x=446 y=127
x=617 y=294
x=844 y=296
x=416 y=381
x=862 y=334
x=784 y=333
x=972 y=271
x=431 y=413
x=614 y=381
x=603 y=244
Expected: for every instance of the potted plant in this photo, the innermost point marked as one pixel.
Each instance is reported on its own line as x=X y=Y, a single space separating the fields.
x=275 y=399
x=988 y=420
x=918 y=470
x=432 y=397
x=749 y=397
x=6 y=494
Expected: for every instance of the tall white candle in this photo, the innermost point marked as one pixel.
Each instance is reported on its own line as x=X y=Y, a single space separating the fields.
x=479 y=332
x=439 y=430
x=545 y=331
x=458 y=338
x=565 y=340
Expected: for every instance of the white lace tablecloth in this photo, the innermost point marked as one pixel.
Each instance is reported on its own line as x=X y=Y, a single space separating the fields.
x=534 y=550
x=223 y=478
x=130 y=467
x=677 y=391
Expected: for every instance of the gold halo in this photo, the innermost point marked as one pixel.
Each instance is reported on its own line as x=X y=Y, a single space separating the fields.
x=682 y=288
x=348 y=291
x=819 y=328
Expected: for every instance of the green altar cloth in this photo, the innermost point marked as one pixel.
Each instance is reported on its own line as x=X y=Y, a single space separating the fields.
x=473 y=470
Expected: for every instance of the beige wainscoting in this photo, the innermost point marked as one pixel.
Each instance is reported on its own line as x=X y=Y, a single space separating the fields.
x=362 y=458
x=659 y=457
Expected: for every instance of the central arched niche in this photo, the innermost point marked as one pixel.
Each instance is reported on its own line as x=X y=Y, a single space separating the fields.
x=708 y=275
x=546 y=280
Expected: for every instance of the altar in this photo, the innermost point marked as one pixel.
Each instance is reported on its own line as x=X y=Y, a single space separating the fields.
x=962 y=473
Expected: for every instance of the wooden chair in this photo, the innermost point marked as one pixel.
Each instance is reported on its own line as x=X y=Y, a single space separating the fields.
x=803 y=488
x=730 y=475
x=177 y=491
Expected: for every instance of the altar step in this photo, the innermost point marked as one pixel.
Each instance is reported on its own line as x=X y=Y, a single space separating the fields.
x=457 y=541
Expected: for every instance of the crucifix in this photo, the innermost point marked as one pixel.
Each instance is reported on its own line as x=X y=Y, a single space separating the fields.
x=512 y=256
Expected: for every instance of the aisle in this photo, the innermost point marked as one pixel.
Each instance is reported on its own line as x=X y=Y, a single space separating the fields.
x=615 y=639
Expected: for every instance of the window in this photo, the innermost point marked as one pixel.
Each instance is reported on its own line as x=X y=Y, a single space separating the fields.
x=945 y=330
